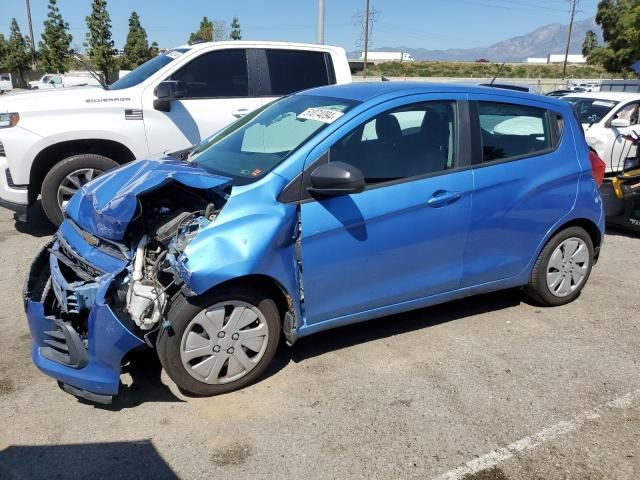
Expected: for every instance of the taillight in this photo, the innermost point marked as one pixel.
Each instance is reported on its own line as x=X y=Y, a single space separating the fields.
x=597 y=167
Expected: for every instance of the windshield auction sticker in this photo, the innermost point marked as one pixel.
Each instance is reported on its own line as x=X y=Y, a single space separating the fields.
x=603 y=103
x=174 y=54
x=323 y=115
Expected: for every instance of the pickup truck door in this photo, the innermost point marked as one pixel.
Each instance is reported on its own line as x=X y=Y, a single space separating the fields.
x=216 y=89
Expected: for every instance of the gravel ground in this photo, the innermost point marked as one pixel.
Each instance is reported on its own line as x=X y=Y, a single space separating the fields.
x=416 y=395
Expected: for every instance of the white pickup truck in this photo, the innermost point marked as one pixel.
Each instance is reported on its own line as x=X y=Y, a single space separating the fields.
x=54 y=80
x=53 y=142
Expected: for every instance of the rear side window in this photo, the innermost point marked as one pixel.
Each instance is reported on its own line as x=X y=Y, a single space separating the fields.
x=294 y=70
x=510 y=131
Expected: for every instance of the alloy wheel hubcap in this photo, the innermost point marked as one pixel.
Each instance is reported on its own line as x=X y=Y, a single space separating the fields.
x=74 y=182
x=567 y=267
x=224 y=342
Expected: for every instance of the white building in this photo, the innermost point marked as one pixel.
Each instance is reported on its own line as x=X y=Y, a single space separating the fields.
x=559 y=58
x=537 y=60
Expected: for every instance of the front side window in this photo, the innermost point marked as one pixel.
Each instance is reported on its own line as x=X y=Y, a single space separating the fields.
x=629 y=112
x=222 y=73
x=254 y=145
x=294 y=70
x=411 y=141
x=510 y=131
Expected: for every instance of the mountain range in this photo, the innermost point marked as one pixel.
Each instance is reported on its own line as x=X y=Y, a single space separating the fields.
x=541 y=42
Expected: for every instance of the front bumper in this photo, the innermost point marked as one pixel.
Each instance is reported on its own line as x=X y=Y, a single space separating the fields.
x=86 y=364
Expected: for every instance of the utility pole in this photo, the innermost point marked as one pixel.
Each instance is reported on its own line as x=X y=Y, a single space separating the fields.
x=320 y=29
x=366 y=39
x=33 y=40
x=574 y=4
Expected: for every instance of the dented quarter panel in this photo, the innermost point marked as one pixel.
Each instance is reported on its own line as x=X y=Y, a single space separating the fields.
x=252 y=235
x=107 y=205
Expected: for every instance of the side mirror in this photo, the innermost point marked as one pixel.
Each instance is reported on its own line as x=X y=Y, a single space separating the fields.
x=336 y=178
x=620 y=123
x=166 y=93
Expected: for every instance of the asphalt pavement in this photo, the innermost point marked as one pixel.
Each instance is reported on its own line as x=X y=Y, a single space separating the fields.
x=490 y=387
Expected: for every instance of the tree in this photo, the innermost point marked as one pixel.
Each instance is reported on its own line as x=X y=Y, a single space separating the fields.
x=55 y=43
x=99 y=43
x=154 y=51
x=590 y=43
x=620 y=23
x=3 y=50
x=18 y=55
x=204 y=33
x=235 y=29
x=136 y=50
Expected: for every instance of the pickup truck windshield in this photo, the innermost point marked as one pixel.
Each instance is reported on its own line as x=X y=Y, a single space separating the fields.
x=147 y=69
x=254 y=145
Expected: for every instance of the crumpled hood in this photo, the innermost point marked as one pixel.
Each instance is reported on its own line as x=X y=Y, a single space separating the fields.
x=106 y=205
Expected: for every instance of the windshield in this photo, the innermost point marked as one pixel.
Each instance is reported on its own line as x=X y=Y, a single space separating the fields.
x=590 y=110
x=147 y=69
x=254 y=145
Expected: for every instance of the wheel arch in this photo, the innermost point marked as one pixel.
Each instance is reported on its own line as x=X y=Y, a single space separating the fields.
x=52 y=154
x=263 y=283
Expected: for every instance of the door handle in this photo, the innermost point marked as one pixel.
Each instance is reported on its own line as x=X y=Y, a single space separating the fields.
x=241 y=112
x=441 y=198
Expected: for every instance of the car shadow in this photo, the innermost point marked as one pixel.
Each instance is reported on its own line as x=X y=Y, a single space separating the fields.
x=618 y=231
x=357 y=334
x=132 y=459
x=145 y=368
x=37 y=224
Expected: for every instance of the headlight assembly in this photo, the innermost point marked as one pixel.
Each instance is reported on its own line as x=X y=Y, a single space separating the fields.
x=8 y=120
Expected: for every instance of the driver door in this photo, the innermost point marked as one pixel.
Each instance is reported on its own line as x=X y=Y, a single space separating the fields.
x=215 y=90
x=403 y=237
x=620 y=148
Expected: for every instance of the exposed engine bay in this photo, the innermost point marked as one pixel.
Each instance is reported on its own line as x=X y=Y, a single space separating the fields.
x=166 y=221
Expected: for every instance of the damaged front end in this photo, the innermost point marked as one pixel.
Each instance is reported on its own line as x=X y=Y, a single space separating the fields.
x=90 y=298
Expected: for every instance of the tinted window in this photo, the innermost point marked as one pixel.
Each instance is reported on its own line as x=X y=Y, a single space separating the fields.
x=410 y=141
x=294 y=70
x=512 y=130
x=222 y=73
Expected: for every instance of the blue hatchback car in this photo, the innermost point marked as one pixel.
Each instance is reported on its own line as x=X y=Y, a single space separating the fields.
x=325 y=208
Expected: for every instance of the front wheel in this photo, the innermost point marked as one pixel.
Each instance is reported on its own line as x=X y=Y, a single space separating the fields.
x=219 y=344
x=66 y=178
x=562 y=269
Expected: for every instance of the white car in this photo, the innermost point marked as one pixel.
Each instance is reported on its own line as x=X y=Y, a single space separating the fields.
x=606 y=117
x=53 y=142
x=6 y=85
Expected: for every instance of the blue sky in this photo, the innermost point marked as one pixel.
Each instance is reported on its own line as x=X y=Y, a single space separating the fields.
x=432 y=24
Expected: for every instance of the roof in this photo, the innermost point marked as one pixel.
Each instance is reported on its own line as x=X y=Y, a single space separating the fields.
x=362 y=91
x=615 y=96
x=259 y=43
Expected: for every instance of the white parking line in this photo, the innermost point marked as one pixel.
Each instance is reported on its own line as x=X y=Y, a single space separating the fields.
x=499 y=455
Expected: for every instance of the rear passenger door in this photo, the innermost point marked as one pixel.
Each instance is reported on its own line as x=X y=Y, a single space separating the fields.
x=525 y=176
x=283 y=72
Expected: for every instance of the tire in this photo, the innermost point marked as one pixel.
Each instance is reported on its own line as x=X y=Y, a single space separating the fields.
x=59 y=177
x=179 y=347
x=559 y=275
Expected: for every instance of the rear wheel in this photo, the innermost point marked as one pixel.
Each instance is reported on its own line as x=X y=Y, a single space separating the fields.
x=220 y=344
x=66 y=178
x=563 y=268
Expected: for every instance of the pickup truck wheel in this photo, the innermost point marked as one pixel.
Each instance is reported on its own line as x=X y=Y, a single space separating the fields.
x=66 y=178
x=219 y=344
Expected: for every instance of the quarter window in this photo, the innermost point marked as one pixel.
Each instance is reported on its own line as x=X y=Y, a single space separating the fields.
x=510 y=131
x=294 y=70
x=411 y=141
x=222 y=73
